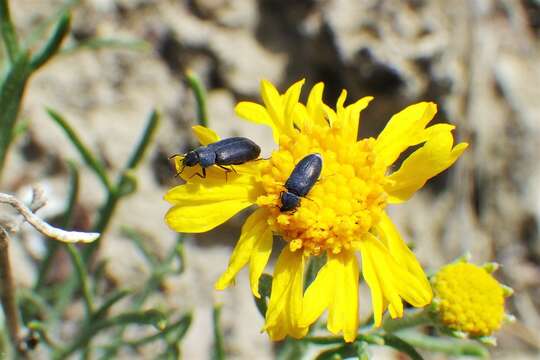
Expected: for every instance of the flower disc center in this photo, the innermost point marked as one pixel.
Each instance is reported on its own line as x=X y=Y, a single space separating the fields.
x=343 y=205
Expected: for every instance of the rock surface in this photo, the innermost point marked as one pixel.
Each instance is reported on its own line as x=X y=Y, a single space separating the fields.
x=479 y=60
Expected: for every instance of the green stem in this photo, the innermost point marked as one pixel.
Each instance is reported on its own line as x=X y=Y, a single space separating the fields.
x=8 y=31
x=218 y=350
x=200 y=96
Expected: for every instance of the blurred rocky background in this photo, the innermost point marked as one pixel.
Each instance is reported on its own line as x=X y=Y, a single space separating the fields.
x=478 y=59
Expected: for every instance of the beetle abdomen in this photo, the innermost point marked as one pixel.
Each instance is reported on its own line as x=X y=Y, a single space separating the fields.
x=304 y=175
x=235 y=151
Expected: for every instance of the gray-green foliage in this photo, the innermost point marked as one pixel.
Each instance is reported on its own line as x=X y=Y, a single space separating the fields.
x=43 y=306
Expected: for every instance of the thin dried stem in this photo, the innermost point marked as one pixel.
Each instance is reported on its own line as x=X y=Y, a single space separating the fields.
x=8 y=291
x=45 y=228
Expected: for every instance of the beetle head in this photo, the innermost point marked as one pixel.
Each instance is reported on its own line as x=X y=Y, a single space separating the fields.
x=289 y=201
x=191 y=158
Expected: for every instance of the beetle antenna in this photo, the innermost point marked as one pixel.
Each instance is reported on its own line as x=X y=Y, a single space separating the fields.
x=181 y=171
x=174 y=156
x=310 y=199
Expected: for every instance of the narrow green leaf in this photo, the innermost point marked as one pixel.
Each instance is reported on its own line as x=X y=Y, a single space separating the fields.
x=139 y=241
x=115 y=297
x=448 y=346
x=179 y=329
x=85 y=153
x=11 y=93
x=145 y=139
x=61 y=29
x=179 y=253
x=8 y=31
x=103 y=43
x=37 y=32
x=200 y=97
x=83 y=278
x=265 y=288
x=149 y=317
x=218 y=351
x=402 y=346
x=291 y=349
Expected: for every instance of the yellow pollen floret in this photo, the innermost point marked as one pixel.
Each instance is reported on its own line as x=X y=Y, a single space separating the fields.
x=471 y=300
x=343 y=205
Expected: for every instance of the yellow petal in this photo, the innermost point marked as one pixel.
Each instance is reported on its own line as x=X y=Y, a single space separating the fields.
x=201 y=207
x=318 y=294
x=272 y=102
x=315 y=105
x=301 y=118
x=205 y=135
x=403 y=130
x=290 y=99
x=340 y=108
x=378 y=303
x=434 y=157
x=257 y=114
x=284 y=312
x=198 y=218
x=352 y=118
x=394 y=279
x=200 y=193
x=253 y=228
x=259 y=259
x=378 y=277
x=330 y=115
x=343 y=311
x=389 y=234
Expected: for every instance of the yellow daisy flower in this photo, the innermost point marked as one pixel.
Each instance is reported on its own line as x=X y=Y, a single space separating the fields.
x=343 y=214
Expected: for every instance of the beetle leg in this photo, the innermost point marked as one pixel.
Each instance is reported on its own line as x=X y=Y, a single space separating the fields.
x=227 y=170
x=202 y=176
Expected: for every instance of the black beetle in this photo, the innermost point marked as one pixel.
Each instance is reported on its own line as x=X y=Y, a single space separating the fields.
x=300 y=182
x=231 y=151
